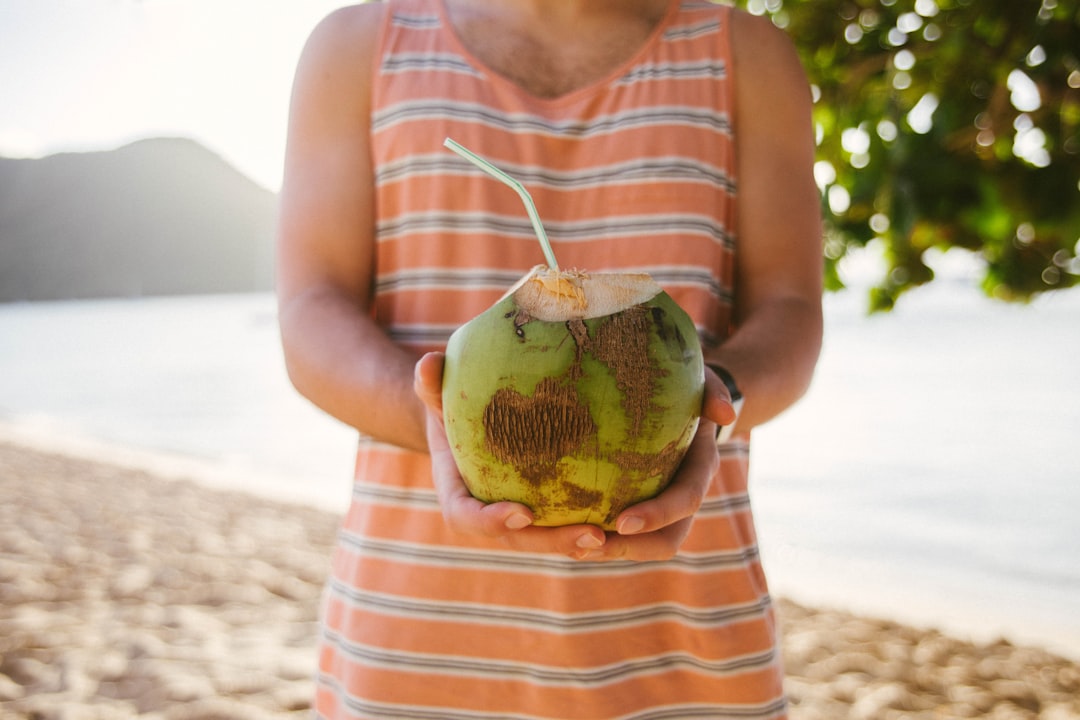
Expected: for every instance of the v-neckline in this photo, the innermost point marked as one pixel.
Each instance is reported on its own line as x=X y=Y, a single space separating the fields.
x=570 y=96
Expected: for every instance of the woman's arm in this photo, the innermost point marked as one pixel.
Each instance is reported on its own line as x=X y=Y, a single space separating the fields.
x=777 y=339
x=335 y=354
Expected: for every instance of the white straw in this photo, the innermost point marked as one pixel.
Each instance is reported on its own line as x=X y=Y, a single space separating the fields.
x=530 y=207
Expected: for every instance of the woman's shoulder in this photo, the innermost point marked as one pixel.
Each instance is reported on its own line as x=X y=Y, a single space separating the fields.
x=765 y=58
x=340 y=50
x=350 y=29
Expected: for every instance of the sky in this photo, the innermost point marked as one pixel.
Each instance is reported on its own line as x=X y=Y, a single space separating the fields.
x=79 y=75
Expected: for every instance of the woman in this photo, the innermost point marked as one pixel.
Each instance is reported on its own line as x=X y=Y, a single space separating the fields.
x=660 y=135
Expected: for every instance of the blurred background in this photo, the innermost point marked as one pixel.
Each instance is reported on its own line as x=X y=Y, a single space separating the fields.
x=929 y=476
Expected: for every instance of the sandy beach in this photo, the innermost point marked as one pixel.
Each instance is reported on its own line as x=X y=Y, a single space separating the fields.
x=128 y=594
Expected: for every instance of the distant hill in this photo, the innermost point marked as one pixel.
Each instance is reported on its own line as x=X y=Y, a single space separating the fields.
x=157 y=217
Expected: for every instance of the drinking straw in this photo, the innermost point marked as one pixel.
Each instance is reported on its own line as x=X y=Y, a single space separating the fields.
x=530 y=207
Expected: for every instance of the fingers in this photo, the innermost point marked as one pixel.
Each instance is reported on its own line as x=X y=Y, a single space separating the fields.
x=572 y=540
x=510 y=523
x=463 y=512
x=683 y=496
x=427 y=380
x=662 y=544
x=655 y=529
x=716 y=405
x=652 y=530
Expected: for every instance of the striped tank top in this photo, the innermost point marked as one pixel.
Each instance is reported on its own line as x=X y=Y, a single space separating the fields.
x=632 y=172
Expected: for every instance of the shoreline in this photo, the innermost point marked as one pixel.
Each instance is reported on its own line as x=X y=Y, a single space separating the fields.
x=127 y=593
x=331 y=494
x=793 y=574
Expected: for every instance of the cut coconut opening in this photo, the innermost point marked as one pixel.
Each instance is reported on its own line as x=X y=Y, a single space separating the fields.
x=553 y=295
x=560 y=295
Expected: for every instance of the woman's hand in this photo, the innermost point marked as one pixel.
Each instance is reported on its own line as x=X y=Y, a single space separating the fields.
x=655 y=529
x=651 y=530
x=509 y=522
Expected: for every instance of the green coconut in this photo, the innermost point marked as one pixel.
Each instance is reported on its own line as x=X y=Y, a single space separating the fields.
x=576 y=394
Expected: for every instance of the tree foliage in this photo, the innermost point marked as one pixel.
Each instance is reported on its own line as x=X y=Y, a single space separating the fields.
x=946 y=124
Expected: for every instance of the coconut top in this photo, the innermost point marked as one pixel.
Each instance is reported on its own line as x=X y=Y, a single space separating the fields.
x=559 y=295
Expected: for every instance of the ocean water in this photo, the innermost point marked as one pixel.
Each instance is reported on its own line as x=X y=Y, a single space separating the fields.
x=930 y=475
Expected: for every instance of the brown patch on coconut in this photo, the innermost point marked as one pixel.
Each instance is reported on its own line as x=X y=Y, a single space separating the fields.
x=577 y=497
x=627 y=490
x=621 y=343
x=532 y=433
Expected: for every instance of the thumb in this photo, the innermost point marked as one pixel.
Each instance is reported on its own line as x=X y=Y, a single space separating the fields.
x=427 y=380
x=716 y=405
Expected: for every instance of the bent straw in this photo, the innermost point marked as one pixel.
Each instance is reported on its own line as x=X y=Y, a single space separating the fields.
x=530 y=207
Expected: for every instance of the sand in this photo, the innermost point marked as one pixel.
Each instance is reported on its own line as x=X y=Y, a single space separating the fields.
x=127 y=594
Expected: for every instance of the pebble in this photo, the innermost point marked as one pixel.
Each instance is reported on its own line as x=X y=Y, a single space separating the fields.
x=183 y=603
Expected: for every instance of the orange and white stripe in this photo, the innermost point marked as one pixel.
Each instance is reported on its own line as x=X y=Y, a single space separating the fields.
x=634 y=172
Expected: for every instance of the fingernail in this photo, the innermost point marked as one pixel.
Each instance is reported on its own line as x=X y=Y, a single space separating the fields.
x=589 y=541
x=630 y=525
x=517 y=521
